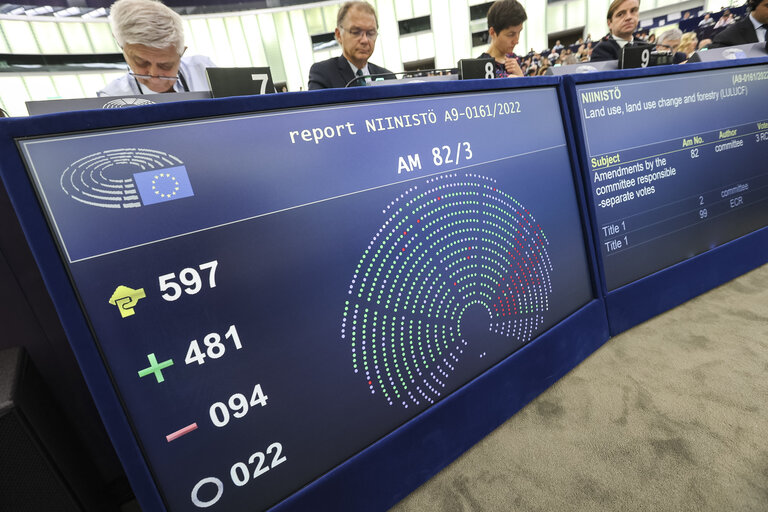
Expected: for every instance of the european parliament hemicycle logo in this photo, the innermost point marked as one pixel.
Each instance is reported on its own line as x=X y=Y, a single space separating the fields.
x=127 y=102
x=126 y=178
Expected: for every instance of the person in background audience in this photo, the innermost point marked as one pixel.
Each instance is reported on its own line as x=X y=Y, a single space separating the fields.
x=505 y=22
x=751 y=29
x=152 y=39
x=357 y=28
x=670 y=41
x=688 y=43
x=707 y=21
x=527 y=62
x=558 y=46
x=623 y=16
x=725 y=20
x=704 y=43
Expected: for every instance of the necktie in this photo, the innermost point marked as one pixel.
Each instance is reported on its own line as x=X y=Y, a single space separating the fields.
x=360 y=79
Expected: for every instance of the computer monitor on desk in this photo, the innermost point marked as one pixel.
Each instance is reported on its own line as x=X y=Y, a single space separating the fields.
x=674 y=168
x=68 y=105
x=271 y=300
x=583 y=67
x=416 y=79
x=742 y=51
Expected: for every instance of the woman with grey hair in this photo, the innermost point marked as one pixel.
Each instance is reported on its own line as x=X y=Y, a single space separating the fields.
x=152 y=39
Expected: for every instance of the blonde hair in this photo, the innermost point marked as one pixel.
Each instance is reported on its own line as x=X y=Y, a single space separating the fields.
x=146 y=22
x=688 y=43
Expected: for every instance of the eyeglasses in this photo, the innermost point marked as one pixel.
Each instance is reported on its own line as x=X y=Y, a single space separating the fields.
x=160 y=77
x=358 y=34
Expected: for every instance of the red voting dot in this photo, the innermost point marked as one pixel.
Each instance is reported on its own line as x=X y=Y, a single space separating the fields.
x=454 y=284
x=467 y=257
x=418 y=220
x=438 y=198
x=370 y=382
x=403 y=249
x=405 y=232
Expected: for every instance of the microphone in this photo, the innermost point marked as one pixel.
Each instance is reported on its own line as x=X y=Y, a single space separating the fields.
x=417 y=73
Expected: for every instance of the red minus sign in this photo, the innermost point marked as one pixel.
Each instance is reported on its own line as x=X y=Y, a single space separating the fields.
x=186 y=430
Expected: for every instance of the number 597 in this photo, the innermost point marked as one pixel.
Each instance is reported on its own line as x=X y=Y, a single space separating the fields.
x=191 y=280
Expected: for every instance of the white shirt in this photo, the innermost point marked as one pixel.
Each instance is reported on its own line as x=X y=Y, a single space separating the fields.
x=191 y=68
x=620 y=41
x=759 y=29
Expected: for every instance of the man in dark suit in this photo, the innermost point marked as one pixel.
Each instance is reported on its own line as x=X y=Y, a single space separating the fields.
x=356 y=32
x=751 y=29
x=623 y=16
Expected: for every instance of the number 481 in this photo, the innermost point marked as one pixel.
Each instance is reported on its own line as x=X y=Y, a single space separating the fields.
x=214 y=348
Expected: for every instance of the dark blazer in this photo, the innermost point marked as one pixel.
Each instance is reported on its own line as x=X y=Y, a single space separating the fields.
x=606 y=49
x=741 y=32
x=335 y=72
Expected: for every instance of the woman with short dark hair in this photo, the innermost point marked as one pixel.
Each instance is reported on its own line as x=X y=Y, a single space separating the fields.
x=505 y=23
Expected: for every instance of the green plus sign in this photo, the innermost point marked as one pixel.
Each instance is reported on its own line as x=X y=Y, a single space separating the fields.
x=155 y=367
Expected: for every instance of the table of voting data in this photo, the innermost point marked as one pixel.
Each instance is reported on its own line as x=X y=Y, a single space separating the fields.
x=676 y=165
x=272 y=293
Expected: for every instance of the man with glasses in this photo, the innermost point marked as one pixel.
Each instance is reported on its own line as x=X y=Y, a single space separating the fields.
x=356 y=32
x=152 y=38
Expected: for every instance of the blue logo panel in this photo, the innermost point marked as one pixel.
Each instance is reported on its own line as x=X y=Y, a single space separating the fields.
x=161 y=185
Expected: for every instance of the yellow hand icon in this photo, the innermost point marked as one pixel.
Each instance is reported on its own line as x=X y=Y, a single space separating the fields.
x=125 y=298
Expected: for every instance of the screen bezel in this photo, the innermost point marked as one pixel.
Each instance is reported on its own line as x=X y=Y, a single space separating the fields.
x=514 y=372
x=650 y=295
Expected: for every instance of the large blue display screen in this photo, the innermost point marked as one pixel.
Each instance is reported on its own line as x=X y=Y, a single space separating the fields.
x=676 y=165
x=274 y=292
